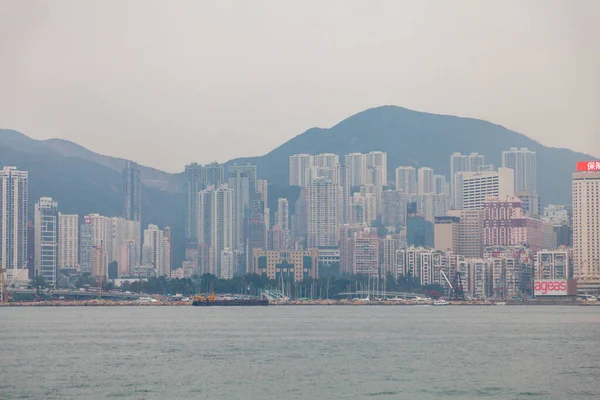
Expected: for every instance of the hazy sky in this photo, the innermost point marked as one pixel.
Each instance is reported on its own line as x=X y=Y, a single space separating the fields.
x=170 y=82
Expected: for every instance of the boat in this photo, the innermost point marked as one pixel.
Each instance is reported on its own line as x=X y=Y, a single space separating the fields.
x=212 y=300
x=440 y=302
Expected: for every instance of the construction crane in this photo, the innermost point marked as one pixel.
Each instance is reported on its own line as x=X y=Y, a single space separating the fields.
x=456 y=290
x=3 y=291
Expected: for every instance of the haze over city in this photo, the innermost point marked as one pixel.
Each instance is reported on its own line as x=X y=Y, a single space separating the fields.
x=219 y=80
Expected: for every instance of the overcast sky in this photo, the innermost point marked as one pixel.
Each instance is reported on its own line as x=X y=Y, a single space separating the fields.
x=169 y=82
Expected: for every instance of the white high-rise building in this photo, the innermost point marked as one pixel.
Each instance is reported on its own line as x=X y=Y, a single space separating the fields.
x=475 y=162
x=227 y=260
x=377 y=161
x=215 y=225
x=13 y=217
x=299 y=164
x=368 y=201
x=425 y=182
x=441 y=185
x=406 y=180
x=523 y=163
x=46 y=240
x=326 y=160
x=101 y=227
x=323 y=203
x=68 y=241
x=586 y=231
x=472 y=188
x=283 y=213
x=158 y=250
x=357 y=168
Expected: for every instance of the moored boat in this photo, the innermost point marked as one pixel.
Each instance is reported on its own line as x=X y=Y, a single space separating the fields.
x=440 y=302
x=212 y=300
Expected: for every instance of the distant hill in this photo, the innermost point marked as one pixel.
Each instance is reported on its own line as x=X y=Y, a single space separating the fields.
x=84 y=185
x=422 y=139
x=84 y=182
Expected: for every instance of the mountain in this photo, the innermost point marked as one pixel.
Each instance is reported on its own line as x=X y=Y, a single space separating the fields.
x=84 y=185
x=85 y=182
x=422 y=139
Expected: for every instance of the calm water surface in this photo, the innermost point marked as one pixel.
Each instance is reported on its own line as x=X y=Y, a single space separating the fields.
x=282 y=353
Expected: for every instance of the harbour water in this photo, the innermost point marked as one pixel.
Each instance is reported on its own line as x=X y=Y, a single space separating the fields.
x=335 y=352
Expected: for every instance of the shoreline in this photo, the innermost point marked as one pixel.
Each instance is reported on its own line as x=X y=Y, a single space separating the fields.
x=113 y=303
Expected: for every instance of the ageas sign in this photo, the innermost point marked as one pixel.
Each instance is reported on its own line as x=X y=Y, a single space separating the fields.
x=588 y=166
x=550 y=287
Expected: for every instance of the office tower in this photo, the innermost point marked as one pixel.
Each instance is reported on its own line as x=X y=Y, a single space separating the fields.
x=157 y=250
x=193 y=175
x=365 y=254
x=377 y=162
x=46 y=240
x=425 y=183
x=470 y=237
x=86 y=243
x=523 y=163
x=446 y=233
x=213 y=175
x=419 y=231
x=68 y=241
x=394 y=208
x=132 y=192
x=13 y=218
x=440 y=185
x=323 y=205
x=586 y=231
x=475 y=187
x=505 y=224
x=256 y=234
x=215 y=226
x=299 y=165
x=242 y=180
x=475 y=162
x=406 y=180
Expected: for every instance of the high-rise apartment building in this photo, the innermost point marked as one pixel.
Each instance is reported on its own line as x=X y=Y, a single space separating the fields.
x=213 y=175
x=345 y=201
x=556 y=214
x=523 y=163
x=299 y=168
x=440 y=185
x=242 y=179
x=215 y=226
x=159 y=250
x=256 y=230
x=46 y=240
x=13 y=217
x=86 y=244
x=406 y=180
x=326 y=160
x=554 y=264
x=470 y=237
x=365 y=254
x=586 y=231
x=357 y=168
x=132 y=192
x=323 y=202
x=68 y=241
x=194 y=183
x=283 y=222
x=446 y=233
x=425 y=182
x=475 y=162
x=388 y=255
x=377 y=163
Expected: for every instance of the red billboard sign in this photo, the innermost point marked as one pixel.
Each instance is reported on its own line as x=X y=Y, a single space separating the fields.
x=550 y=287
x=588 y=166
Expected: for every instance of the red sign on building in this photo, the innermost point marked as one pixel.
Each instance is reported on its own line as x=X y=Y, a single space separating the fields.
x=588 y=166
